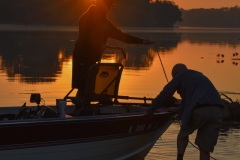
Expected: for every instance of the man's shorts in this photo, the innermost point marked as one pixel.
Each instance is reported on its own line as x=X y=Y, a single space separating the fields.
x=207 y=121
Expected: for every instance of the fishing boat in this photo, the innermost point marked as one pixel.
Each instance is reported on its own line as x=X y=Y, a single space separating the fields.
x=99 y=125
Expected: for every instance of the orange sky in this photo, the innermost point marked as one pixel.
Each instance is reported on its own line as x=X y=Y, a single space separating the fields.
x=189 y=4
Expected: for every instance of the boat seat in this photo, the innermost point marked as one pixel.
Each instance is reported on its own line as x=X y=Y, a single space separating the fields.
x=102 y=83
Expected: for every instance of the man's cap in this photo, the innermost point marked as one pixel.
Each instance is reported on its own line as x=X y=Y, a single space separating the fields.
x=177 y=68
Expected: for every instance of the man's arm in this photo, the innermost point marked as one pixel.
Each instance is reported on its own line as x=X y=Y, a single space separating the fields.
x=165 y=95
x=117 y=34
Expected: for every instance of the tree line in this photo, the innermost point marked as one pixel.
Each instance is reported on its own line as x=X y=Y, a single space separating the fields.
x=43 y=12
x=141 y=13
x=126 y=13
x=222 y=17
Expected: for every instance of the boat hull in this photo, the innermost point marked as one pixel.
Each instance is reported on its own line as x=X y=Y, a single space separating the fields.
x=105 y=137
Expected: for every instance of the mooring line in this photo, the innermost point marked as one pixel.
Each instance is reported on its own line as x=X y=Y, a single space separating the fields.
x=160 y=59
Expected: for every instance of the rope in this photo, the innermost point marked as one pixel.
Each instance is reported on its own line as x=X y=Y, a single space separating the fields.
x=161 y=61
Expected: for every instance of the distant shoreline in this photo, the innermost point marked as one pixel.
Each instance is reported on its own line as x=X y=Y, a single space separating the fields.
x=17 y=27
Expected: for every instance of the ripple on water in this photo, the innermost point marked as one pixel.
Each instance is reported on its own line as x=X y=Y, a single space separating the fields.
x=228 y=145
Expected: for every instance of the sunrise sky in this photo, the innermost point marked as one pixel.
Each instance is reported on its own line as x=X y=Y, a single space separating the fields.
x=189 y=4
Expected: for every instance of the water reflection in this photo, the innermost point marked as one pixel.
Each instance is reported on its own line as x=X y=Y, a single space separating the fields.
x=227 y=146
x=235 y=63
x=42 y=57
x=220 y=61
x=221 y=38
x=34 y=57
x=235 y=58
x=38 y=56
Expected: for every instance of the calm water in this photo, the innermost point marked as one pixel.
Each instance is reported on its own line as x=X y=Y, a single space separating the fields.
x=38 y=60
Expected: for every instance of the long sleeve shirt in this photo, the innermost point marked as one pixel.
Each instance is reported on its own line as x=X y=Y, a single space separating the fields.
x=94 y=30
x=195 y=90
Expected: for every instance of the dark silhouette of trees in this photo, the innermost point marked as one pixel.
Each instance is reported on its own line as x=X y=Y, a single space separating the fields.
x=44 y=12
x=145 y=13
x=223 y=17
x=127 y=13
x=166 y=13
x=131 y=13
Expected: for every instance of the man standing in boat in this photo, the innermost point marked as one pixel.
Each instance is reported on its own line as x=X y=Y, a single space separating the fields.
x=94 y=30
x=201 y=109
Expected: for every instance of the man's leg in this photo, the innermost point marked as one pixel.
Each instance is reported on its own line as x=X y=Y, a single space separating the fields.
x=182 y=142
x=207 y=135
x=204 y=155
